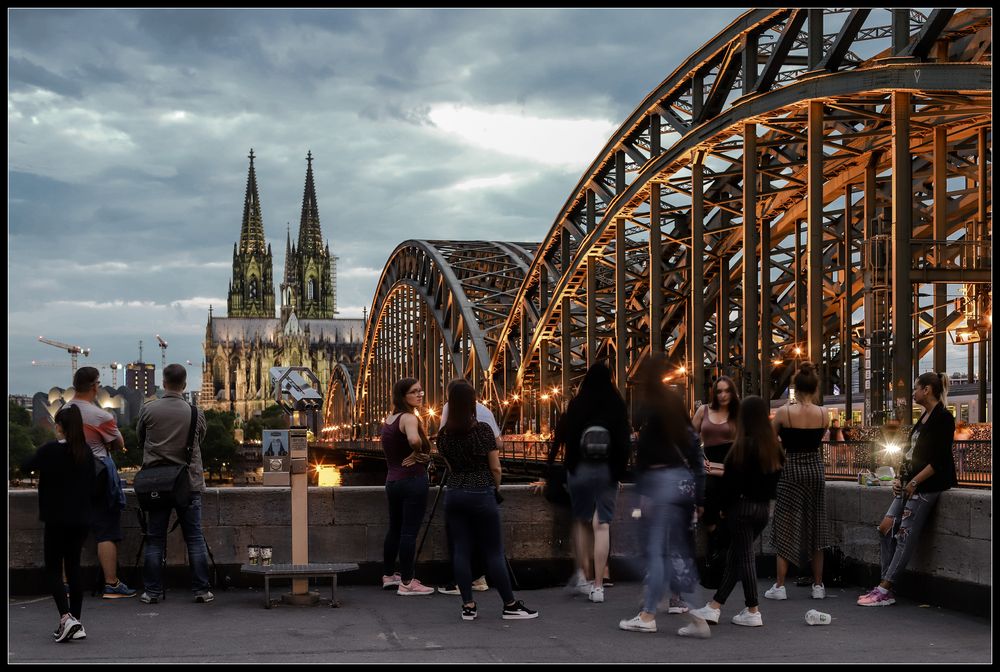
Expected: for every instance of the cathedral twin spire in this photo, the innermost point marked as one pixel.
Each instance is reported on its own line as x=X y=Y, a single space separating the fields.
x=308 y=288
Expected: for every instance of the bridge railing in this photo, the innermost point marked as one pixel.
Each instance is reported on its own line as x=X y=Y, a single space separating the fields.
x=842 y=460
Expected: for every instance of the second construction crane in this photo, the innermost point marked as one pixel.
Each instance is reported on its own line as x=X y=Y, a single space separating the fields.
x=163 y=355
x=73 y=350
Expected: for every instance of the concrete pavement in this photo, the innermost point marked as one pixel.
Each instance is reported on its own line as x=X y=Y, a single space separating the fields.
x=373 y=626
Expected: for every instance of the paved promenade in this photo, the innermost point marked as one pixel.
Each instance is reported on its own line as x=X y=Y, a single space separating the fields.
x=378 y=627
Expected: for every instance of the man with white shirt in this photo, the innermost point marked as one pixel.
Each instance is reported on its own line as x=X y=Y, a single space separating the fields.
x=101 y=432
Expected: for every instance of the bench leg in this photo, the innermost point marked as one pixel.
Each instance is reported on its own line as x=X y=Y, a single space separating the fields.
x=333 y=592
x=267 y=591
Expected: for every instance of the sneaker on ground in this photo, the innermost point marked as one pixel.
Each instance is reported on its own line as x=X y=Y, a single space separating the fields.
x=596 y=594
x=117 y=591
x=748 y=618
x=390 y=581
x=867 y=594
x=819 y=591
x=414 y=587
x=450 y=589
x=480 y=584
x=469 y=613
x=80 y=634
x=677 y=606
x=776 y=592
x=204 y=597
x=698 y=627
x=585 y=588
x=636 y=624
x=708 y=614
x=877 y=598
x=67 y=629
x=146 y=598
x=518 y=611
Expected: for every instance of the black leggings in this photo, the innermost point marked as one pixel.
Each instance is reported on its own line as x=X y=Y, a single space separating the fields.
x=746 y=521
x=63 y=544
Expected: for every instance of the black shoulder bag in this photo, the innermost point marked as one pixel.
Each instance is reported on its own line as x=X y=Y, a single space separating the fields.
x=166 y=486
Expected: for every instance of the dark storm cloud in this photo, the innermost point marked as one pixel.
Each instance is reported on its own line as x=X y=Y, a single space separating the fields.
x=25 y=74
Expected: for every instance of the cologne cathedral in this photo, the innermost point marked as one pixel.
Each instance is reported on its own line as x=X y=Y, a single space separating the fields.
x=241 y=348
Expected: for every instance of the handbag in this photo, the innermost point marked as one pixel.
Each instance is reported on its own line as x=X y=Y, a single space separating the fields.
x=166 y=486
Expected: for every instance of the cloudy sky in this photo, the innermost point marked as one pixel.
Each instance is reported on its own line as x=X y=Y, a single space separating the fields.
x=129 y=131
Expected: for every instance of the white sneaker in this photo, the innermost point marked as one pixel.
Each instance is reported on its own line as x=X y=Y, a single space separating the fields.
x=698 y=627
x=776 y=592
x=596 y=594
x=585 y=588
x=480 y=585
x=819 y=591
x=636 y=624
x=748 y=618
x=708 y=614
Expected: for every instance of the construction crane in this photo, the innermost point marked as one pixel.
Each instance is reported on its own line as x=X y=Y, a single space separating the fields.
x=73 y=350
x=163 y=355
x=114 y=366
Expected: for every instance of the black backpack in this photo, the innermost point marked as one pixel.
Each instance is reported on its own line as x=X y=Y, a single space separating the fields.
x=595 y=443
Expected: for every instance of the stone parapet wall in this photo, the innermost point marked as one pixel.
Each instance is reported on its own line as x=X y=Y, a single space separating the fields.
x=348 y=524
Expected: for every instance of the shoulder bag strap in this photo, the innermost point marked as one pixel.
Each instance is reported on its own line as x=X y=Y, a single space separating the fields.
x=191 y=431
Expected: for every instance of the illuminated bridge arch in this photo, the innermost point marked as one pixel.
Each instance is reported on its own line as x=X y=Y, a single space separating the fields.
x=809 y=179
x=775 y=138
x=437 y=312
x=339 y=405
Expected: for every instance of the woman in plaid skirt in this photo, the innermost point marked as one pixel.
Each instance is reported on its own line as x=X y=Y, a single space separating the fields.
x=800 y=530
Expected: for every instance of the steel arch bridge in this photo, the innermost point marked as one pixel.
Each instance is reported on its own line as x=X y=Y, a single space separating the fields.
x=848 y=150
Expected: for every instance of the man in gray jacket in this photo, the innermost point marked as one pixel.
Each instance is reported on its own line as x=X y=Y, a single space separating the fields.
x=163 y=427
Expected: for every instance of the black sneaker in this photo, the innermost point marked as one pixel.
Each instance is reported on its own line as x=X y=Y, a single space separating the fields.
x=470 y=613
x=518 y=611
x=204 y=597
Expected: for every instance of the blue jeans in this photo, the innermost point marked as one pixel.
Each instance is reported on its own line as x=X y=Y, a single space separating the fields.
x=908 y=518
x=474 y=521
x=669 y=538
x=407 y=503
x=156 y=547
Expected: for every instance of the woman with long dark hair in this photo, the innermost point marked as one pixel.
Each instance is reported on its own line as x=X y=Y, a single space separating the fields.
x=800 y=530
x=750 y=482
x=671 y=479
x=594 y=432
x=716 y=425
x=470 y=502
x=928 y=469
x=65 y=492
x=407 y=452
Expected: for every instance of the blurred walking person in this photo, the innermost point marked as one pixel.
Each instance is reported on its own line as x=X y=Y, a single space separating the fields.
x=407 y=452
x=671 y=479
x=594 y=433
x=470 y=503
x=66 y=488
x=750 y=482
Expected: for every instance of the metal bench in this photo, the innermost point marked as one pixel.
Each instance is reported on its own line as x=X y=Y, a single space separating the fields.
x=289 y=571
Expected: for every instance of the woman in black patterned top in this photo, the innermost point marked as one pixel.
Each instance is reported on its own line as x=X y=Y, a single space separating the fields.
x=470 y=502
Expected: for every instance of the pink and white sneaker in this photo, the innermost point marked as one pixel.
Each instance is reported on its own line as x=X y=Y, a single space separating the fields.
x=414 y=587
x=877 y=598
x=390 y=581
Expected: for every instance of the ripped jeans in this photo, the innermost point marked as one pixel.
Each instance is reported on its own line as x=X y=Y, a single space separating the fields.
x=908 y=518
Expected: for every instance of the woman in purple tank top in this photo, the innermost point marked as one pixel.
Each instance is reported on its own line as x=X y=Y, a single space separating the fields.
x=407 y=452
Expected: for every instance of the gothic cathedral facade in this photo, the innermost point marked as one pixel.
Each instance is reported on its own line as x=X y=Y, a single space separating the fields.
x=241 y=348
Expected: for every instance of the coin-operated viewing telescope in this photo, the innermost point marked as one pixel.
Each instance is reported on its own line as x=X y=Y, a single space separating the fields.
x=296 y=389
